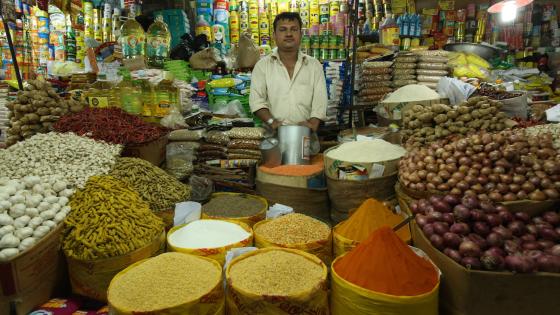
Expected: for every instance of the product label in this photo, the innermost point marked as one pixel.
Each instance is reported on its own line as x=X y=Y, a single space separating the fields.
x=157 y=47
x=163 y=108
x=132 y=46
x=305 y=148
x=98 y=101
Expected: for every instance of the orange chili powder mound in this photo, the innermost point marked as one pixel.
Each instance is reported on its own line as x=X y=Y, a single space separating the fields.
x=315 y=167
x=384 y=263
x=370 y=216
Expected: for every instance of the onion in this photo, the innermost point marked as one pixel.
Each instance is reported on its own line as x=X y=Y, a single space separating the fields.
x=434 y=198
x=451 y=200
x=511 y=246
x=434 y=216
x=551 y=217
x=548 y=263
x=522 y=195
x=555 y=250
x=451 y=240
x=506 y=216
x=428 y=229
x=517 y=228
x=437 y=241
x=504 y=232
x=487 y=206
x=459 y=228
x=470 y=202
x=491 y=261
x=481 y=228
x=495 y=239
x=537 y=195
x=479 y=240
x=471 y=262
x=469 y=248
x=547 y=183
x=518 y=179
x=441 y=227
x=506 y=179
x=463 y=185
x=415 y=208
x=530 y=245
x=493 y=219
x=548 y=234
x=478 y=215
x=551 y=193
x=515 y=188
x=510 y=197
x=496 y=251
x=522 y=216
x=441 y=206
x=496 y=196
x=453 y=254
x=499 y=170
x=461 y=213
x=519 y=263
x=533 y=254
x=528 y=238
x=486 y=171
x=448 y=218
x=545 y=244
x=528 y=187
x=421 y=220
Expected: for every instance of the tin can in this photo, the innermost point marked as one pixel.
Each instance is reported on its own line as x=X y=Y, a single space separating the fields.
x=324 y=54
x=316 y=53
x=333 y=54
x=342 y=53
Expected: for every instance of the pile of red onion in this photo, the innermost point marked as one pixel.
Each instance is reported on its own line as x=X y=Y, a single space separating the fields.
x=505 y=166
x=481 y=235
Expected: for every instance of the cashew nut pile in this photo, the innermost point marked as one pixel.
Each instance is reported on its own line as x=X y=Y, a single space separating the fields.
x=72 y=157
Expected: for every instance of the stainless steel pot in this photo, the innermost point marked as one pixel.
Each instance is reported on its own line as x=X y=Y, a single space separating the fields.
x=295 y=144
x=271 y=154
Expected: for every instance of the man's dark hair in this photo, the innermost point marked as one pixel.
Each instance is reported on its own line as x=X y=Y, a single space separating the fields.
x=290 y=16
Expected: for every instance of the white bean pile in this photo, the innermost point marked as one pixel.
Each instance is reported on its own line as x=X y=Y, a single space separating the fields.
x=72 y=157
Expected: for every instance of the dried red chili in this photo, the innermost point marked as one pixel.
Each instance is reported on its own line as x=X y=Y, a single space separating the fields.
x=111 y=125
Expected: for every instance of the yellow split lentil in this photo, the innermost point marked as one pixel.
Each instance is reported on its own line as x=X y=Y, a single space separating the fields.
x=163 y=282
x=159 y=189
x=276 y=273
x=293 y=228
x=108 y=219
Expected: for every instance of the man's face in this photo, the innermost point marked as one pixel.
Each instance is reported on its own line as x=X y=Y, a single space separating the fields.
x=287 y=35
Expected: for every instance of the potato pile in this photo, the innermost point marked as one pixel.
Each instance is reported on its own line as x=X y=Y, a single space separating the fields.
x=424 y=124
x=35 y=110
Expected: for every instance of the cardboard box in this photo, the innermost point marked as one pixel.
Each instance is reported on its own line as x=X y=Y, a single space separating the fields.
x=153 y=151
x=472 y=292
x=33 y=276
x=337 y=169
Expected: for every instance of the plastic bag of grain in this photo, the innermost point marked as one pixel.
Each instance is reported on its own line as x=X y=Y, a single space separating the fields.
x=209 y=238
x=171 y=283
x=296 y=231
x=248 y=209
x=274 y=281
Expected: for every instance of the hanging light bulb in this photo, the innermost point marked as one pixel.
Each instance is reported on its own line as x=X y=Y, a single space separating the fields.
x=509 y=11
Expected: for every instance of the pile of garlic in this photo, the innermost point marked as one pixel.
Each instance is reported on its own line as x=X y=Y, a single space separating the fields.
x=73 y=157
x=29 y=209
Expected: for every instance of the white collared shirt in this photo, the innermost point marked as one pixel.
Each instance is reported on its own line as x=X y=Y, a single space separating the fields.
x=289 y=100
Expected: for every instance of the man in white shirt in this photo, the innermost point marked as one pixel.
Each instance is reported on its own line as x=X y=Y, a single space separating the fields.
x=288 y=87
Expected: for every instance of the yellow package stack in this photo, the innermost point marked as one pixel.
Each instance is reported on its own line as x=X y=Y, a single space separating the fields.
x=234 y=26
x=273 y=10
x=294 y=6
x=283 y=6
x=254 y=21
x=264 y=27
x=313 y=12
x=304 y=13
x=243 y=18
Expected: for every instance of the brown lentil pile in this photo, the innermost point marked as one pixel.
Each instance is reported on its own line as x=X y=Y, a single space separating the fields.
x=233 y=206
x=293 y=228
x=277 y=273
x=165 y=281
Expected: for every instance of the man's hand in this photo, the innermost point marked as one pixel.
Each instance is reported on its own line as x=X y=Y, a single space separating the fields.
x=275 y=124
x=312 y=124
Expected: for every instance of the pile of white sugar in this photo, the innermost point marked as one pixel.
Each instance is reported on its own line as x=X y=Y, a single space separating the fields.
x=368 y=151
x=412 y=93
x=208 y=234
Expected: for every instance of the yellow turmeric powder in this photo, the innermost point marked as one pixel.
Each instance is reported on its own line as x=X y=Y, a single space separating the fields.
x=370 y=216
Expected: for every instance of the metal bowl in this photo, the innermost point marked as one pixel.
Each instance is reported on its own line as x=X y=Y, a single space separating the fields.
x=485 y=51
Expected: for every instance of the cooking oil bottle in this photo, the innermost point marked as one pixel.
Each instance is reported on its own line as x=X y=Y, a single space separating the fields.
x=158 y=42
x=100 y=94
x=148 y=100
x=130 y=93
x=166 y=96
x=132 y=38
